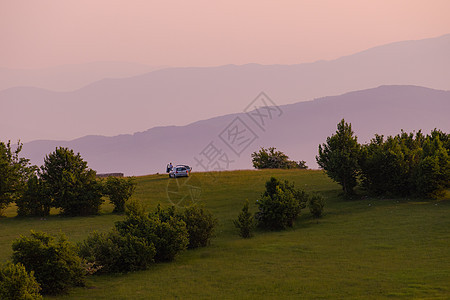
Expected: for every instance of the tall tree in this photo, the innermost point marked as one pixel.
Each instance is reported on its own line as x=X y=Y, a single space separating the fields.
x=14 y=173
x=339 y=157
x=71 y=184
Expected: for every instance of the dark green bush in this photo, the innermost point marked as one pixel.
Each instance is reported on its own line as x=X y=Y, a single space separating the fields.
x=245 y=222
x=316 y=203
x=270 y=158
x=119 y=190
x=200 y=225
x=280 y=205
x=166 y=232
x=432 y=174
x=114 y=253
x=17 y=284
x=404 y=165
x=34 y=201
x=54 y=262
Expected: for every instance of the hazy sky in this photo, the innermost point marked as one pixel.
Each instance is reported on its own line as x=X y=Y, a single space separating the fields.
x=43 y=33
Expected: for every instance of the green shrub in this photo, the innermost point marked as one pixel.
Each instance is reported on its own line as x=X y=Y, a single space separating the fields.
x=270 y=158
x=408 y=164
x=316 y=204
x=17 y=284
x=113 y=253
x=432 y=175
x=119 y=190
x=34 y=201
x=54 y=262
x=166 y=232
x=280 y=205
x=245 y=222
x=200 y=225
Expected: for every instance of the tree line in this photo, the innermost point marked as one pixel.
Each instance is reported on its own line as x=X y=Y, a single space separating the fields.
x=64 y=181
x=407 y=164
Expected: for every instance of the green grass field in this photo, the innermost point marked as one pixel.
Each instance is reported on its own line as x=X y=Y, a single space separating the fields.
x=361 y=249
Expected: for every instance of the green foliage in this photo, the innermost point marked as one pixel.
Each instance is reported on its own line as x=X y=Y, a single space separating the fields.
x=115 y=253
x=35 y=200
x=339 y=157
x=245 y=222
x=272 y=159
x=200 y=225
x=166 y=232
x=17 y=284
x=14 y=172
x=279 y=205
x=119 y=190
x=316 y=204
x=385 y=165
x=71 y=184
x=406 y=165
x=432 y=176
x=54 y=261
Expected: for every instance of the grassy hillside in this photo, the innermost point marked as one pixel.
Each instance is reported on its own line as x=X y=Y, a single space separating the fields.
x=367 y=248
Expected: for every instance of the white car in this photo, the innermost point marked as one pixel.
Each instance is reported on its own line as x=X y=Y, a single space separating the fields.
x=180 y=171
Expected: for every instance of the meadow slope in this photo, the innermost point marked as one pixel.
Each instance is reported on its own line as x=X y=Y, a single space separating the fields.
x=365 y=248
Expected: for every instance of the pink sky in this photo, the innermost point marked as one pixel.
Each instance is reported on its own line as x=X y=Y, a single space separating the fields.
x=44 y=33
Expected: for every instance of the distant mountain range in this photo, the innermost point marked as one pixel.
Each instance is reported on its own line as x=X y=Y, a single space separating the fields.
x=67 y=78
x=227 y=141
x=179 y=96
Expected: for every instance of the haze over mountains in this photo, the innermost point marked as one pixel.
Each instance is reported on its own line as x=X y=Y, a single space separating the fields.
x=178 y=96
x=70 y=77
x=296 y=129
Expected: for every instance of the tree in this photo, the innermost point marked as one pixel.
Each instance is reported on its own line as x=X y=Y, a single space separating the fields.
x=279 y=205
x=113 y=252
x=162 y=228
x=200 y=225
x=17 y=284
x=119 y=191
x=35 y=200
x=71 y=184
x=316 y=203
x=272 y=159
x=432 y=175
x=245 y=222
x=339 y=157
x=385 y=167
x=14 y=173
x=54 y=262
x=406 y=165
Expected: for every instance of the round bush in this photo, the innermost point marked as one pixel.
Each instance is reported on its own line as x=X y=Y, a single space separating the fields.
x=54 y=262
x=200 y=225
x=165 y=231
x=316 y=204
x=114 y=253
x=17 y=284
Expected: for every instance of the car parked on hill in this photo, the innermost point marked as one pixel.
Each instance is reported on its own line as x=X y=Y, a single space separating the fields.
x=180 y=171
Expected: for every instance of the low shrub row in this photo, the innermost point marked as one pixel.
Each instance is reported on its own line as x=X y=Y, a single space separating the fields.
x=141 y=239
